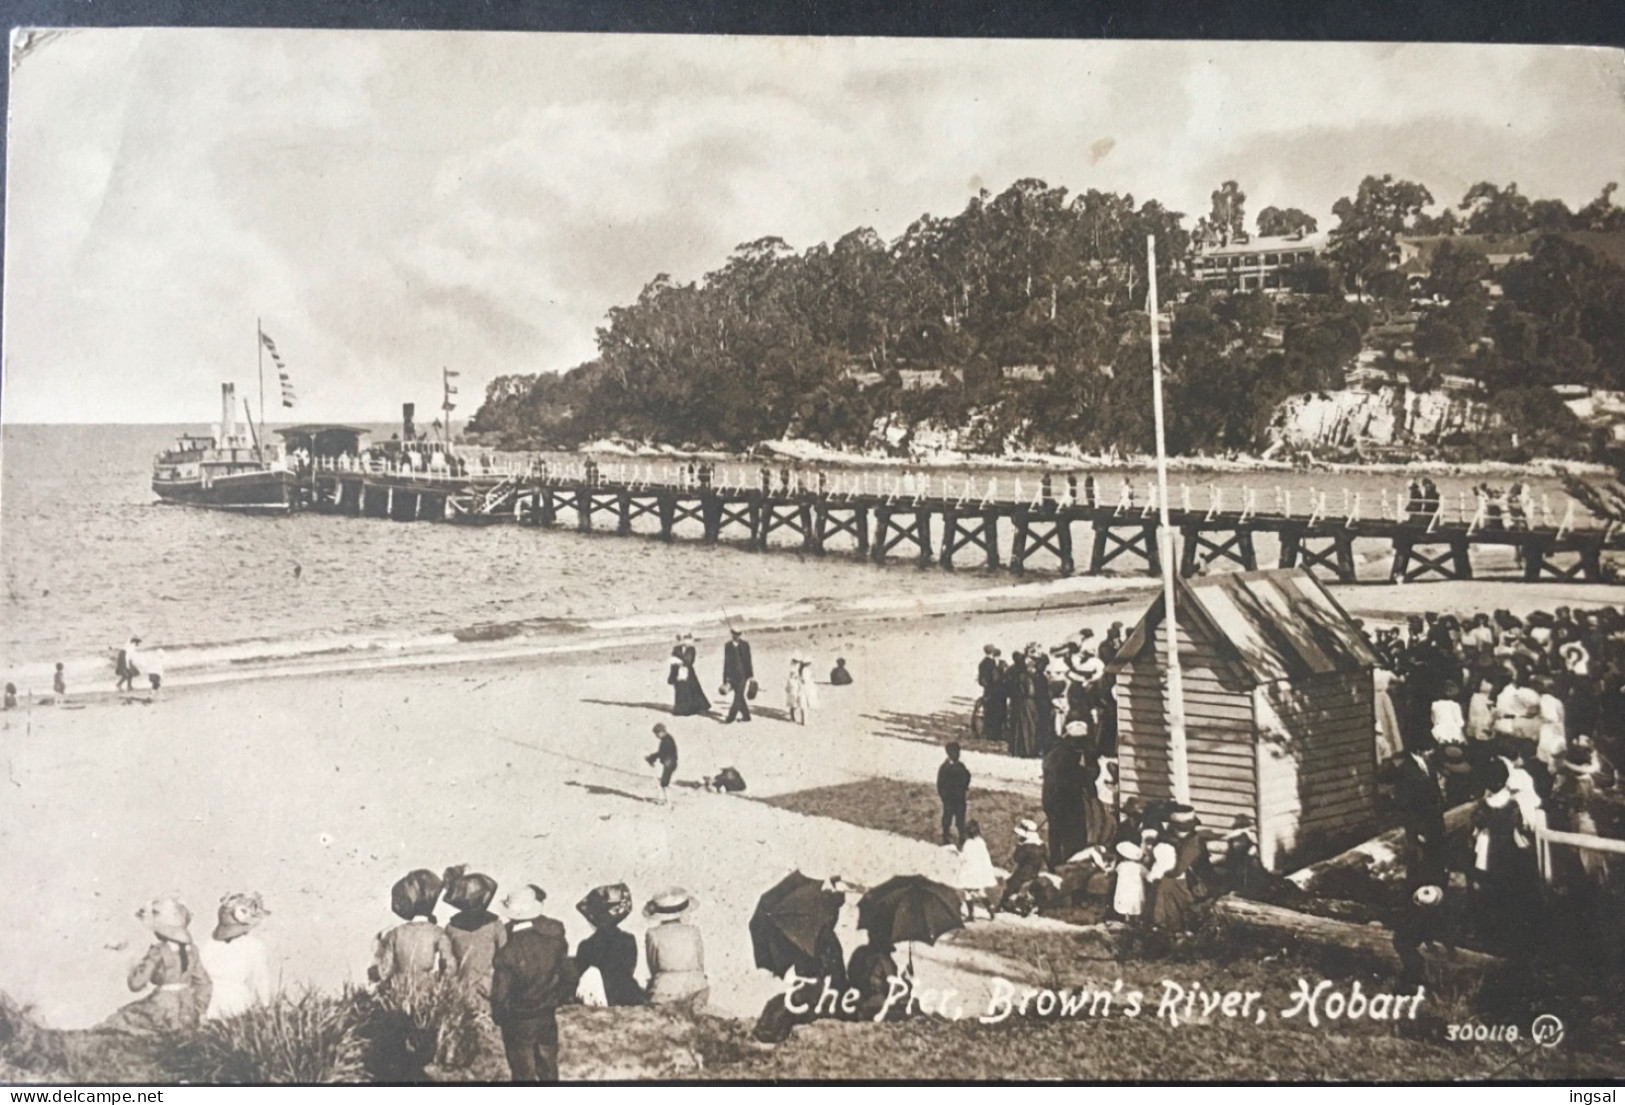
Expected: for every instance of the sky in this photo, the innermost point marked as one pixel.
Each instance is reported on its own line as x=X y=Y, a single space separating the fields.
x=392 y=203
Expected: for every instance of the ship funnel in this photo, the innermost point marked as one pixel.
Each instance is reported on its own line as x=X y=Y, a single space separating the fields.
x=407 y=410
x=228 y=411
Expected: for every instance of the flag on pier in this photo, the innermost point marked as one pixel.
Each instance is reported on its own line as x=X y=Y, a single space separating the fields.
x=446 y=375
x=288 y=396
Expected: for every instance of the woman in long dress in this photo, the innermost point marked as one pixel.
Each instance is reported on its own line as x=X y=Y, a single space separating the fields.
x=688 y=697
x=1022 y=719
x=180 y=986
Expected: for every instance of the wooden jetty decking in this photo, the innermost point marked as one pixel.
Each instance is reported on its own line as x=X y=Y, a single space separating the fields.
x=954 y=522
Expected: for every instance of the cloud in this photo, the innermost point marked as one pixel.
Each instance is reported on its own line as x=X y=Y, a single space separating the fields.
x=390 y=203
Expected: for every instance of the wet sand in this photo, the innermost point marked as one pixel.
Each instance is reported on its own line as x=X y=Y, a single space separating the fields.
x=319 y=790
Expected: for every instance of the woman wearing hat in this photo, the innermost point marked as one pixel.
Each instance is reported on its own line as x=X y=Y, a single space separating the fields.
x=1021 y=720
x=1180 y=872
x=688 y=697
x=172 y=967
x=612 y=952
x=235 y=957
x=675 y=952
x=474 y=932
x=1026 y=864
x=417 y=950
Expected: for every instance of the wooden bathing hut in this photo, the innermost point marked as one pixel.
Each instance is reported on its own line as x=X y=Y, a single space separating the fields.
x=1279 y=708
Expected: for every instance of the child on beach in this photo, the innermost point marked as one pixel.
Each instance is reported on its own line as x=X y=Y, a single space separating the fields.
x=59 y=684
x=798 y=690
x=977 y=876
x=839 y=676
x=666 y=757
x=1128 y=882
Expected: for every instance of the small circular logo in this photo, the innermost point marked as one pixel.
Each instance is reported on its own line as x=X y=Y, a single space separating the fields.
x=1547 y=1031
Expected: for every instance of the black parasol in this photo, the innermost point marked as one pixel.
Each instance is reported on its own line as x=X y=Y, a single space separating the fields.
x=908 y=908
x=789 y=919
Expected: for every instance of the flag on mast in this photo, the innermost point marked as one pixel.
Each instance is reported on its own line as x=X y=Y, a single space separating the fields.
x=288 y=395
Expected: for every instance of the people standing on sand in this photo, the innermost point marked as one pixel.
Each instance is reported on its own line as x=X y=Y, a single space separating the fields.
x=59 y=683
x=798 y=690
x=675 y=952
x=688 y=697
x=609 y=951
x=666 y=756
x=989 y=678
x=418 y=950
x=738 y=673
x=1021 y=725
x=126 y=665
x=1128 y=882
x=1063 y=787
x=11 y=696
x=172 y=967
x=474 y=932
x=532 y=974
x=839 y=676
x=155 y=670
x=953 y=788
x=235 y=958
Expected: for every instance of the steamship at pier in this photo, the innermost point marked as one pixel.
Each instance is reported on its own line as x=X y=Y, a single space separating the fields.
x=329 y=467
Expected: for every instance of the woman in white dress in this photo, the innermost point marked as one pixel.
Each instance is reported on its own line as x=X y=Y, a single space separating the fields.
x=235 y=958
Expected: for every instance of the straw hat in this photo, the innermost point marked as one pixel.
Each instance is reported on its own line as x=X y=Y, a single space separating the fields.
x=1129 y=850
x=167 y=918
x=1428 y=896
x=238 y=913
x=1184 y=819
x=1027 y=831
x=1076 y=729
x=525 y=903
x=1453 y=759
x=669 y=905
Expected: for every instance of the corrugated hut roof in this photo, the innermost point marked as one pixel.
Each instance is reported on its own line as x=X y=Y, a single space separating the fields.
x=1270 y=625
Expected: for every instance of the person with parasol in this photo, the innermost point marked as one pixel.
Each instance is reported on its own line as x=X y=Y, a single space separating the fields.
x=792 y=935
x=903 y=909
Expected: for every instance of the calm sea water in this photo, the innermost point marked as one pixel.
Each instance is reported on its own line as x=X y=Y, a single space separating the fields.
x=89 y=557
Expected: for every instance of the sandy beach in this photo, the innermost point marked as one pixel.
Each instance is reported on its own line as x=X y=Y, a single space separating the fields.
x=320 y=789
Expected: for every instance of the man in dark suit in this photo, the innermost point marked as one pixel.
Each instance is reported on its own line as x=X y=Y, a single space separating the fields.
x=990 y=679
x=953 y=787
x=1421 y=812
x=737 y=673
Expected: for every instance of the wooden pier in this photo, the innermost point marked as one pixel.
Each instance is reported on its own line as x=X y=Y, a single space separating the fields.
x=955 y=523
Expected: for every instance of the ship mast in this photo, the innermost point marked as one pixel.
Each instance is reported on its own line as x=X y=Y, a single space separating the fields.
x=259 y=347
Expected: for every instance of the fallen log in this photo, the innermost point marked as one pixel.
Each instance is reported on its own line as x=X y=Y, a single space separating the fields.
x=1374 y=940
x=1380 y=848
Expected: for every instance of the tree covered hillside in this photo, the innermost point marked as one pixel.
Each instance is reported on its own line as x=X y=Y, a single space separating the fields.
x=1022 y=320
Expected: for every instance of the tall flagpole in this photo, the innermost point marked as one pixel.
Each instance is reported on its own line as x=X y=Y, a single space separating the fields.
x=1165 y=545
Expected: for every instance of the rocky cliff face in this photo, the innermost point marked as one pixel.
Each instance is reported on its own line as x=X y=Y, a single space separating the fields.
x=1386 y=416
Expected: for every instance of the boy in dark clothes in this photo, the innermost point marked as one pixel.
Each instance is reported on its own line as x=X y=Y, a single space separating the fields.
x=666 y=757
x=531 y=976
x=839 y=676
x=953 y=784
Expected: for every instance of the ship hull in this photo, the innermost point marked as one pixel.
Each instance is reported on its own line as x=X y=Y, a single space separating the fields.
x=247 y=492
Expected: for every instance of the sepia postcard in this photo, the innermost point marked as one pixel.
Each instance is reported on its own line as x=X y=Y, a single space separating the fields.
x=607 y=557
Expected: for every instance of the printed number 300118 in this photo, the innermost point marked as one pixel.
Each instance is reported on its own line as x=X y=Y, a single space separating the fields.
x=1482 y=1033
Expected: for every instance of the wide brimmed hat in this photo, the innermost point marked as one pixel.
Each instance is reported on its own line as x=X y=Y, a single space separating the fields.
x=606 y=905
x=1027 y=831
x=1183 y=817
x=669 y=904
x=414 y=895
x=1428 y=895
x=524 y=903
x=1129 y=850
x=469 y=891
x=1076 y=729
x=167 y=918
x=238 y=913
